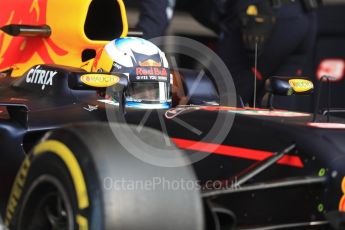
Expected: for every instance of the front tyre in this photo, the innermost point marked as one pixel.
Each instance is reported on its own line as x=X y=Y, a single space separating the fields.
x=52 y=189
x=47 y=205
x=74 y=178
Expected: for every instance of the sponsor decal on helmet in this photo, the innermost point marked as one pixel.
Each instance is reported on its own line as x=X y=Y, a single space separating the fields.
x=117 y=66
x=301 y=85
x=99 y=80
x=40 y=77
x=150 y=62
x=151 y=73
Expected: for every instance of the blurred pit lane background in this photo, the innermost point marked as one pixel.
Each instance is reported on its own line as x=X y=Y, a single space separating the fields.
x=328 y=56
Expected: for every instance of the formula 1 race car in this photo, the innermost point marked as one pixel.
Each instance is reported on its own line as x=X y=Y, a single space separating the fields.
x=80 y=149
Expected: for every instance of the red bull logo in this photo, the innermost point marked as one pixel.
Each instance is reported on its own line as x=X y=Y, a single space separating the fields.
x=150 y=62
x=21 y=49
x=153 y=71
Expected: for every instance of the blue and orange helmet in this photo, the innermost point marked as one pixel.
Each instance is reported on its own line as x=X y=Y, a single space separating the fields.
x=147 y=69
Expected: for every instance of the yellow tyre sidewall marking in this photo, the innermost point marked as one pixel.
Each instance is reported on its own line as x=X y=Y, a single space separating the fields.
x=342 y=201
x=16 y=190
x=82 y=222
x=72 y=164
x=66 y=155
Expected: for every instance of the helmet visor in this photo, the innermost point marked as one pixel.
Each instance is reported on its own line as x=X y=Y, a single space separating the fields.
x=148 y=92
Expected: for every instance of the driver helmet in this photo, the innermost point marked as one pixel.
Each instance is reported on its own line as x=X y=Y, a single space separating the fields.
x=147 y=69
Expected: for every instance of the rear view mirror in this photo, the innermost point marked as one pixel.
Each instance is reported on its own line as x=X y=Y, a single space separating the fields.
x=100 y=82
x=97 y=81
x=287 y=86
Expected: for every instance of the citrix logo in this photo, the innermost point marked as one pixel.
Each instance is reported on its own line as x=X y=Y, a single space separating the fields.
x=41 y=77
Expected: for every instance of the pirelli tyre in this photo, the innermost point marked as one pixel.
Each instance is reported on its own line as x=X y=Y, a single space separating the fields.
x=64 y=183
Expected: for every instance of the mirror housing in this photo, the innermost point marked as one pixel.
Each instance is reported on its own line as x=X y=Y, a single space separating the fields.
x=100 y=82
x=97 y=81
x=287 y=86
